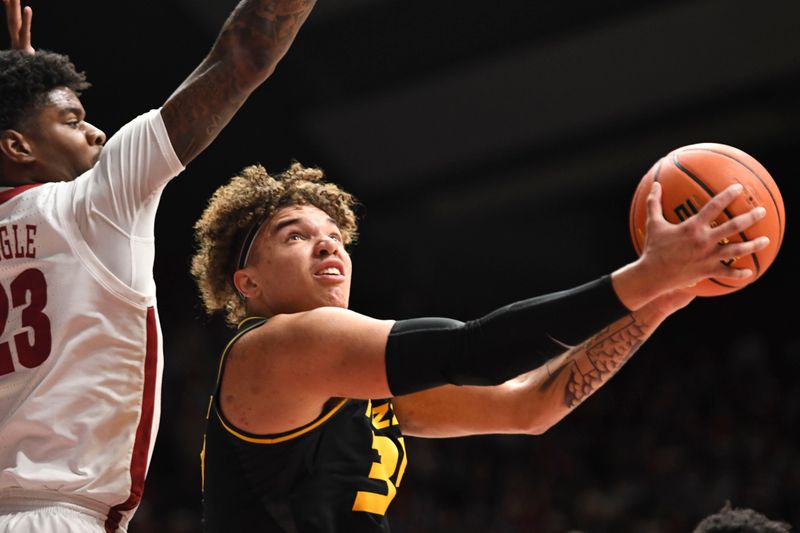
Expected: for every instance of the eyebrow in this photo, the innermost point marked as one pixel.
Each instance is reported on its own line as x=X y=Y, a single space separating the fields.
x=72 y=110
x=287 y=222
x=296 y=220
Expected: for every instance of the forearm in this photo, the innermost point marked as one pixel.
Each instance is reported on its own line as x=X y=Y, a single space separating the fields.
x=555 y=390
x=510 y=341
x=535 y=401
x=251 y=43
x=257 y=34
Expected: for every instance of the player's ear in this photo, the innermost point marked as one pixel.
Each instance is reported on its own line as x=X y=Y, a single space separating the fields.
x=15 y=147
x=245 y=283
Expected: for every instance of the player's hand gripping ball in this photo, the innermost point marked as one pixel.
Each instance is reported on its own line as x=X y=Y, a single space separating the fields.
x=690 y=176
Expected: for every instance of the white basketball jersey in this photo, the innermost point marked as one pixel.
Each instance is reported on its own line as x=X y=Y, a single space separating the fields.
x=80 y=349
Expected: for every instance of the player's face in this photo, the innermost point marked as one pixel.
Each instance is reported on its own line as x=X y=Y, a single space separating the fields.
x=63 y=144
x=301 y=262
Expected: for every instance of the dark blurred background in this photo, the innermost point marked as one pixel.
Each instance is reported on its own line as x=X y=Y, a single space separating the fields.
x=495 y=148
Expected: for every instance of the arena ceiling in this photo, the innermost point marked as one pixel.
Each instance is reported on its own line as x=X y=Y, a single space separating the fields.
x=405 y=94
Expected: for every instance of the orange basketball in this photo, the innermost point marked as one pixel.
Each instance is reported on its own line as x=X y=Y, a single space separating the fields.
x=689 y=177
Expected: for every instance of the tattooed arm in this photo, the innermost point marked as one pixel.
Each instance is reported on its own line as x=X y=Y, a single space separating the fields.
x=251 y=43
x=534 y=402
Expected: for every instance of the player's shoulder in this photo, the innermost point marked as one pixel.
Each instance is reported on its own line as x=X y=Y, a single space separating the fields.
x=284 y=333
x=25 y=191
x=277 y=326
x=303 y=321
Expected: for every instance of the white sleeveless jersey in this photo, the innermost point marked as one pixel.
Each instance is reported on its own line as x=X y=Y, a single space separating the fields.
x=80 y=349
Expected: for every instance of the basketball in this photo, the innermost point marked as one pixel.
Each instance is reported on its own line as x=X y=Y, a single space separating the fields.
x=689 y=177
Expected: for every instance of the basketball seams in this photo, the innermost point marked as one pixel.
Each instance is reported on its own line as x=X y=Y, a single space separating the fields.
x=754 y=173
x=686 y=183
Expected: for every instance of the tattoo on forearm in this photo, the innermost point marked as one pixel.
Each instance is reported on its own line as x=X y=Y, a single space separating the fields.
x=253 y=40
x=599 y=358
x=269 y=24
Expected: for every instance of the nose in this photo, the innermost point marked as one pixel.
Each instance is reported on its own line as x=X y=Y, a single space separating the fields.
x=326 y=246
x=94 y=136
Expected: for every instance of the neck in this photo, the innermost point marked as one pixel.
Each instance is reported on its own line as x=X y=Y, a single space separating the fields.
x=14 y=175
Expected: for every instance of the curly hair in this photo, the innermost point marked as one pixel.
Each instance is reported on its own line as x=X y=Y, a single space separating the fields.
x=27 y=79
x=250 y=199
x=730 y=520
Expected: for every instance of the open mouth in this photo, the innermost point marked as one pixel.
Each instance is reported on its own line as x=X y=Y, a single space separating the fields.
x=330 y=271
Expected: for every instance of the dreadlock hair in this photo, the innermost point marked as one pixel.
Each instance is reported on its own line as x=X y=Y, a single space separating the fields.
x=26 y=80
x=247 y=201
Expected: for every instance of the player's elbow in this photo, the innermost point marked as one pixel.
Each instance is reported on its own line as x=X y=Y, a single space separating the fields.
x=251 y=68
x=530 y=416
x=533 y=425
x=538 y=427
x=524 y=423
x=247 y=62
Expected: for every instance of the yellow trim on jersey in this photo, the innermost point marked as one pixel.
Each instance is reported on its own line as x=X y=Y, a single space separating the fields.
x=210 y=405
x=283 y=438
x=235 y=338
x=239 y=333
x=203 y=466
x=248 y=319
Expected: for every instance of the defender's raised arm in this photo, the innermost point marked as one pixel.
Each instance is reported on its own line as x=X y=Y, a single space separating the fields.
x=251 y=43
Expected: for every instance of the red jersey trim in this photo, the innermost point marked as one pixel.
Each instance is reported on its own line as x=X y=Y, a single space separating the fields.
x=141 y=446
x=11 y=193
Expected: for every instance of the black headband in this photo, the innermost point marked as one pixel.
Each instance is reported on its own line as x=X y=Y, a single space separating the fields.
x=247 y=243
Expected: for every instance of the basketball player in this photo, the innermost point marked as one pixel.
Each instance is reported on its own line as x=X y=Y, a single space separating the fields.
x=80 y=345
x=304 y=425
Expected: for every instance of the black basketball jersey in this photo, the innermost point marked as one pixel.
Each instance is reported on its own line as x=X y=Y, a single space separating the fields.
x=337 y=473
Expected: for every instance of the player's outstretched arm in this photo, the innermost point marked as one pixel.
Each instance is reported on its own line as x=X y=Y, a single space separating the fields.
x=18 y=21
x=251 y=43
x=675 y=256
x=534 y=402
x=335 y=352
x=327 y=352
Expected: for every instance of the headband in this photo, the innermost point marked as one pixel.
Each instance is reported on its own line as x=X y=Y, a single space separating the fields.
x=247 y=242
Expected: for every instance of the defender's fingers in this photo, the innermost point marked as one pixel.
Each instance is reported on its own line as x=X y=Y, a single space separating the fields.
x=19 y=21
x=12 y=18
x=13 y=13
x=25 y=31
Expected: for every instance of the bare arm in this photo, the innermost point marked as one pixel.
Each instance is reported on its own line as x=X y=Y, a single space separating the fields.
x=251 y=43
x=278 y=376
x=534 y=402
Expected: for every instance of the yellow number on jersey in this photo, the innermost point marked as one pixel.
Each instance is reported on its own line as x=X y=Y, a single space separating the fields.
x=372 y=502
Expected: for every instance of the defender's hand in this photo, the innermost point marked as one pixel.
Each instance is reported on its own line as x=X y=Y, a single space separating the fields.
x=19 y=20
